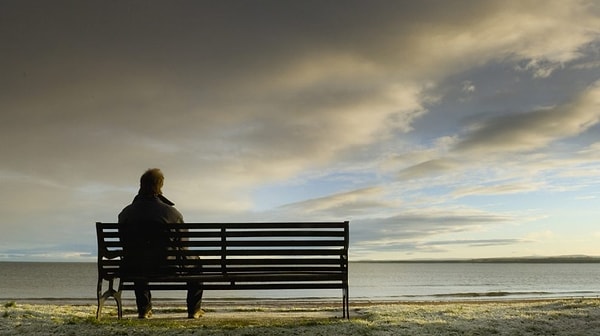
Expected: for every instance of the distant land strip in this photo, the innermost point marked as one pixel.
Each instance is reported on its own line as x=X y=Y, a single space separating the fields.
x=540 y=260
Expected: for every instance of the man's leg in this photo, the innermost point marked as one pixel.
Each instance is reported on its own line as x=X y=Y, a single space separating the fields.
x=143 y=299
x=194 y=299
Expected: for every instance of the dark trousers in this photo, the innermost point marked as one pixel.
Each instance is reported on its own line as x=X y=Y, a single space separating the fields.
x=143 y=297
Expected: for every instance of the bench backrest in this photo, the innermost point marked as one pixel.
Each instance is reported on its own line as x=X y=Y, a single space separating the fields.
x=240 y=248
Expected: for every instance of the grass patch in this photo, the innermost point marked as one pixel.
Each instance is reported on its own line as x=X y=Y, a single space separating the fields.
x=214 y=322
x=10 y=304
x=557 y=317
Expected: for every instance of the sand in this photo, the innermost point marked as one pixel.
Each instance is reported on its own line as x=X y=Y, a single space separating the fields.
x=572 y=316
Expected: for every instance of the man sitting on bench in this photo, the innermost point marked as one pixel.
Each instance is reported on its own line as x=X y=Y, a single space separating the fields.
x=141 y=224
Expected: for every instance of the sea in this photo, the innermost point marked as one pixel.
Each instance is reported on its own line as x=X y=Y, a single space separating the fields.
x=369 y=281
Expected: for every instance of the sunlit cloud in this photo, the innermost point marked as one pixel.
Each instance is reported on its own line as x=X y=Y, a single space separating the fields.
x=532 y=130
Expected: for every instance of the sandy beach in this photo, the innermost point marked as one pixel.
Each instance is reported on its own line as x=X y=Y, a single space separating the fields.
x=574 y=316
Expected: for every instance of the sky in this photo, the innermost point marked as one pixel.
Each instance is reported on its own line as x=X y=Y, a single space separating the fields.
x=439 y=129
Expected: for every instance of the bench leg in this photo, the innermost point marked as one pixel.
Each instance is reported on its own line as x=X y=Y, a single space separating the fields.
x=345 y=303
x=100 y=298
x=117 y=296
x=110 y=292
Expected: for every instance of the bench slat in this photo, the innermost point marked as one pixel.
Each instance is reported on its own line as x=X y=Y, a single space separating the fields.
x=270 y=225
x=284 y=252
x=267 y=243
x=285 y=243
x=256 y=233
x=243 y=277
x=183 y=286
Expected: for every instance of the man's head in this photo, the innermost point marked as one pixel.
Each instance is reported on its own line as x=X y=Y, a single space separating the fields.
x=151 y=182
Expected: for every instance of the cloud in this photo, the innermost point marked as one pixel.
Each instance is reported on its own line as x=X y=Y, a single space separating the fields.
x=498 y=189
x=62 y=252
x=428 y=168
x=346 y=204
x=542 y=235
x=434 y=247
x=306 y=90
x=412 y=225
x=478 y=242
x=468 y=87
x=520 y=132
x=429 y=247
x=227 y=98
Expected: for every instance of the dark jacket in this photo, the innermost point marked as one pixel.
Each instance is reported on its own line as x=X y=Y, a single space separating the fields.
x=149 y=209
x=143 y=230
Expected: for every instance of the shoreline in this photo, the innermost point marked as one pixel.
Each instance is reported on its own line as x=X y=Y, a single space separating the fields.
x=562 y=316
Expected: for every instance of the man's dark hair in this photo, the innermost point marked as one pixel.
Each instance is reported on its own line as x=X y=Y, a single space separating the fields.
x=151 y=182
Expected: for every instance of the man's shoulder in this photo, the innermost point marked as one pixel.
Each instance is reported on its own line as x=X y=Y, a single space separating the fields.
x=150 y=207
x=124 y=212
x=174 y=214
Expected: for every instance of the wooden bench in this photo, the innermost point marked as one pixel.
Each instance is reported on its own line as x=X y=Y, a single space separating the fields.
x=233 y=256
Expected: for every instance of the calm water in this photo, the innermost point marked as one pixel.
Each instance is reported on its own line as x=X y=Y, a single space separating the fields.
x=368 y=281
